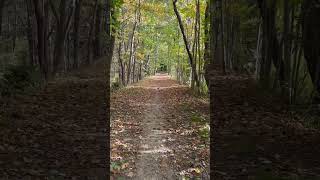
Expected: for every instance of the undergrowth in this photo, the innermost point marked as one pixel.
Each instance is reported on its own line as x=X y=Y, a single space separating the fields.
x=18 y=79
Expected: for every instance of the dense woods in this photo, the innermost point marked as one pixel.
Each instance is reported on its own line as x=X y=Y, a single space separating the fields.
x=269 y=40
x=252 y=59
x=272 y=40
x=53 y=37
x=54 y=59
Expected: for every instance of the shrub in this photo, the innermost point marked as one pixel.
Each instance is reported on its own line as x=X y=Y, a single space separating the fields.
x=18 y=78
x=115 y=85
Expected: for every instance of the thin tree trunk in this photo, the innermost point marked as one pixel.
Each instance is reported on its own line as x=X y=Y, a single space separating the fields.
x=40 y=8
x=136 y=20
x=76 y=24
x=97 y=44
x=30 y=32
x=131 y=52
x=2 y=3
x=222 y=38
x=286 y=47
x=90 y=35
x=122 y=69
x=191 y=60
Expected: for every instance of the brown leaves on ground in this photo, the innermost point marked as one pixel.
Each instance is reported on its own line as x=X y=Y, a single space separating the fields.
x=58 y=132
x=255 y=137
x=182 y=147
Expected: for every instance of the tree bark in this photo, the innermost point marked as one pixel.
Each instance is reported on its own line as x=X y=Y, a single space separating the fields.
x=311 y=39
x=41 y=7
x=122 y=68
x=76 y=26
x=286 y=48
x=2 y=3
x=97 y=43
x=191 y=60
x=90 y=48
x=131 y=52
x=271 y=51
x=30 y=35
x=63 y=18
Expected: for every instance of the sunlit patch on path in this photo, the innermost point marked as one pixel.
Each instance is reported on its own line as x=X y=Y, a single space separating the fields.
x=153 y=136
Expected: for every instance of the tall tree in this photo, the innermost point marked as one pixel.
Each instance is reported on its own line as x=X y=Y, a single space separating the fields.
x=97 y=37
x=271 y=51
x=63 y=14
x=186 y=43
x=311 y=39
x=2 y=3
x=109 y=31
x=41 y=8
x=76 y=26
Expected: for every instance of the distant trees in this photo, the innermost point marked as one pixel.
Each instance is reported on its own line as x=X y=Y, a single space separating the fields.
x=193 y=26
x=150 y=40
x=129 y=60
x=196 y=45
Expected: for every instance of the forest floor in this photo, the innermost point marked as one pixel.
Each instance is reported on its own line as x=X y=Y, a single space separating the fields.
x=159 y=130
x=58 y=131
x=256 y=137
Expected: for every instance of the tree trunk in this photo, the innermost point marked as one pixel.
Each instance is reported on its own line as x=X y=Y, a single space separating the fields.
x=97 y=44
x=63 y=18
x=30 y=35
x=311 y=39
x=109 y=51
x=270 y=45
x=286 y=47
x=131 y=52
x=41 y=7
x=76 y=24
x=223 y=62
x=2 y=3
x=191 y=60
x=122 y=70
x=206 y=55
x=90 y=48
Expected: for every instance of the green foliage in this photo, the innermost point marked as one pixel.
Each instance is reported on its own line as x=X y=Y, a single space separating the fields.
x=197 y=118
x=204 y=132
x=115 y=166
x=115 y=85
x=19 y=78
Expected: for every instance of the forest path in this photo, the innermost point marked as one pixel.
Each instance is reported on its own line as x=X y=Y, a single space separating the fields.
x=153 y=136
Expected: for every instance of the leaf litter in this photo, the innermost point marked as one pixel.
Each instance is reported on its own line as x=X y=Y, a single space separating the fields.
x=154 y=118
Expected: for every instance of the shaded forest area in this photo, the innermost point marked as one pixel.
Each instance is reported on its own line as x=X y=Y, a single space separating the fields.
x=257 y=61
x=47 y=38
x=53 y=84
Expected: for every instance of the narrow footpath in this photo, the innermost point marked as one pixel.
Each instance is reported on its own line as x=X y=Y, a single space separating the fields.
x=159 y=131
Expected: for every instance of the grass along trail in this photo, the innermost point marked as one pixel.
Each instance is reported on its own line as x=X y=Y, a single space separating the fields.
x=158 y=131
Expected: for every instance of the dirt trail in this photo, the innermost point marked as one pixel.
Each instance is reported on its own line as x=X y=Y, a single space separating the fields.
x=153 y=136
x=151 y=146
